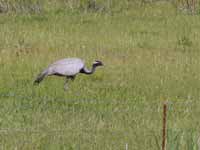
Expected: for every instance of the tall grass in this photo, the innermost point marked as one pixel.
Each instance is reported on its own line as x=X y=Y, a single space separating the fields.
x=151 y=54
x=105 y=6
x=21 y=6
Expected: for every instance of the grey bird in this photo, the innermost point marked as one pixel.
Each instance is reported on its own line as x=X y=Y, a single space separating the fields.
x=69 y=68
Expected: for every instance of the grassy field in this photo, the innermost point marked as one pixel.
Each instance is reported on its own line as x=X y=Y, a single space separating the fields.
x=151 y=54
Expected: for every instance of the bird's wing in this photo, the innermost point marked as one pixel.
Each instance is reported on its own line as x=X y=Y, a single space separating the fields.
x=68 y=66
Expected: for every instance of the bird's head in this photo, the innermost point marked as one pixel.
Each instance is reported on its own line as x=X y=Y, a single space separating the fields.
x=97 y=63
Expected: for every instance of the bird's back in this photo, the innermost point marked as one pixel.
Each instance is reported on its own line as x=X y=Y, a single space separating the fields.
x=67 y=66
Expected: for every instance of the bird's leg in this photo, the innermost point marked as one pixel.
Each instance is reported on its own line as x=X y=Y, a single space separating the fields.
x=66 y=81
x=65 y=85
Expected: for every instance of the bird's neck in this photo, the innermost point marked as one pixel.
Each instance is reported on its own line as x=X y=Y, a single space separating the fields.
x=87 y=71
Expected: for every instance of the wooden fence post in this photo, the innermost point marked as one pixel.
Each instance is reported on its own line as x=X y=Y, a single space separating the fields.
x=164 y=126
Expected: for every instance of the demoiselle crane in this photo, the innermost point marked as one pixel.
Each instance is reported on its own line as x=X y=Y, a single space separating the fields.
x=69 y=68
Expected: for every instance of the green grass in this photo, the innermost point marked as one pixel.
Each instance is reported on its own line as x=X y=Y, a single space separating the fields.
x=151 y=54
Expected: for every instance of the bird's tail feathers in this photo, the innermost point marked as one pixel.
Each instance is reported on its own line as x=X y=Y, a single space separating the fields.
x=40 y=77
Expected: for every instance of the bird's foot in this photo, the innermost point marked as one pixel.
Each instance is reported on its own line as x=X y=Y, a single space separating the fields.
x=65 y=87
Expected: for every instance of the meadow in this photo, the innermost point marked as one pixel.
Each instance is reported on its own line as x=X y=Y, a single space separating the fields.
x=151 y=54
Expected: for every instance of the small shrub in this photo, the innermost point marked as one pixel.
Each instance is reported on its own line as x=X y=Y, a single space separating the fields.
x=184 y=43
